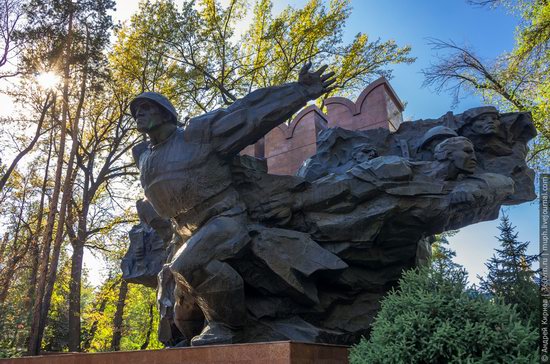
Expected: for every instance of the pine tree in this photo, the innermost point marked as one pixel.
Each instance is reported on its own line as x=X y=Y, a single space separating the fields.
x=510 y=276
x=442 y=255
x=435 y=317
x=68 y=38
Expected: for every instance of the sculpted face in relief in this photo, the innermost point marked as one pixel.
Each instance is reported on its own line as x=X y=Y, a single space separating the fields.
x=149 y=116
x=486 y=124
x=460 y=153
x=365 y=153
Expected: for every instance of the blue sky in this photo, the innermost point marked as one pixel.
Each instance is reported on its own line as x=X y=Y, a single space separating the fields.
x=489 y=31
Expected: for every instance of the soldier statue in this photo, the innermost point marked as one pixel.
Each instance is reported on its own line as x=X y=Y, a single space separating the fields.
x=186 y=177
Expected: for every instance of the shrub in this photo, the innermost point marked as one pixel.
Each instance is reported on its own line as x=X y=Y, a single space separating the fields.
x=433 y=318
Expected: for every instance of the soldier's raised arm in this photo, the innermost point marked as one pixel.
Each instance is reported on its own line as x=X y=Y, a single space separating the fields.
x=253 y=116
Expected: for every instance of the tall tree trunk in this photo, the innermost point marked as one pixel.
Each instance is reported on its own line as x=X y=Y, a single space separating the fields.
x=9 y=269
x=117 y=331
x=78 y=245
x=32 y=297
x=149 y=328
x=32 y=280
x=59 y=237
x=74 y=297
x=38 y=321
x=35 y=243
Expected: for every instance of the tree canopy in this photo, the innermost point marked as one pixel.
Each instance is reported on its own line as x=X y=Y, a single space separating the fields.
x=195 y=55
x=518 y=80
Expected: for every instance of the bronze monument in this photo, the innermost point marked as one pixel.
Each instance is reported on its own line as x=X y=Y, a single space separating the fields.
x=244 y=256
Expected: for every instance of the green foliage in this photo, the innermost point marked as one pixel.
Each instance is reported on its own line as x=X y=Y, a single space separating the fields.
x=433 y=318
x=196 y=56
x=532 y=54
x=45 y=34
x=13 y=320
x=56 y=333
x=442 y=255
x=137 y=319
x=98 y=318
x=510 y=275
x=138 y=61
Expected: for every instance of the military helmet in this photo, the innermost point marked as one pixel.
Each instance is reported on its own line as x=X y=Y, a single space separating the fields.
x=435 y=132
x=158 y=99
x=471 y=114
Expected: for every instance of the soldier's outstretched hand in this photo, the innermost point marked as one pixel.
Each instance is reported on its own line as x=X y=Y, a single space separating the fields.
x=316 y=83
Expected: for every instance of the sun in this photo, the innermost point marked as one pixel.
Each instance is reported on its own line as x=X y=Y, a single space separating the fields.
x=48 y=80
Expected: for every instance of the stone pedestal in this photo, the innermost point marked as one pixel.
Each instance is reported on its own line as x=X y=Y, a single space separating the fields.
x=260 y=353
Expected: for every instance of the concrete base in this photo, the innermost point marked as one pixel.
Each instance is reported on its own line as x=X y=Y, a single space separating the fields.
x=264 y=353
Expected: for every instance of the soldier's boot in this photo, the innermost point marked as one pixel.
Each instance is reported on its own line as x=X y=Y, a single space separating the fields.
x=189 y=329
x=188 y=316
x=226 y=317
x=221 y=299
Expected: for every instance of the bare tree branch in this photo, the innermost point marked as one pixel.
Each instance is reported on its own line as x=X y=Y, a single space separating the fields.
x=11 y=14
x=461 y=70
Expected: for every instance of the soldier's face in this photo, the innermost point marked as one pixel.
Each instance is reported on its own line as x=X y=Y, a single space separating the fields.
x=365 y=154
x=463 y=157
x=486 y=124
x=148 y=116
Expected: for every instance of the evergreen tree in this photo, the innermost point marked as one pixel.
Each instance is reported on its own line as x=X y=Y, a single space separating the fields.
x=434 y=318
x=510 y=275
x=442 y=255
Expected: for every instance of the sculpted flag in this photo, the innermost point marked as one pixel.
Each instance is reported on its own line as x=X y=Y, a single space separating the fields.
x=245 y=256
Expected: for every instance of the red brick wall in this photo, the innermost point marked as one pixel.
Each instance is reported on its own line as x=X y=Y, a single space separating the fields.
x=287 y=146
